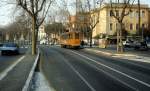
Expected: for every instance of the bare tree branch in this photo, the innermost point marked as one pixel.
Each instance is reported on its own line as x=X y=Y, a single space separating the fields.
x=36 y=9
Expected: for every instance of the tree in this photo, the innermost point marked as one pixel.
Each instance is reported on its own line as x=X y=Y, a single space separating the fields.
x=23 y=23
x=54 y=28
x=92 y=13
x=18 y=28
x=119 y=15
x=37 y=10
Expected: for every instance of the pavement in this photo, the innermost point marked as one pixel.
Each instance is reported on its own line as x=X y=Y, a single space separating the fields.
x=130 y=53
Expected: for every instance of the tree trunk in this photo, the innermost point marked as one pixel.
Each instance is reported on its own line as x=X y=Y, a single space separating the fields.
x=118 y=40
x=120 y=48
x=90 y=38
x=36 y=34
x=33 y=37
x=121 y=44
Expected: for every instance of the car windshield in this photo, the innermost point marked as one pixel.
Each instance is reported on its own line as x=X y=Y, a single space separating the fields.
x=9 y=45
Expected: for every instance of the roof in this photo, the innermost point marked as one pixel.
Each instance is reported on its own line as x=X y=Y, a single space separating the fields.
x=121 y=5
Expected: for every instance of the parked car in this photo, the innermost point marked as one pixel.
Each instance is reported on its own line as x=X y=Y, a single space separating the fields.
x=142 y=45
x=1 y=45
x=128 y=43
x=9 y=48
x=148 y=44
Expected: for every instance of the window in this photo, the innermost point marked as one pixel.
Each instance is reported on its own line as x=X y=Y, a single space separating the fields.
x=117 y=12
x=69 y=36
x=94 y=19
x=137 y=26
x=111 y=13
x=41 y=27
x=143 y=14
x=137 y=14
x=111 y=26
x=131 y=26
x=123 y=26
x=131 y=14
x=76 y=35
x=116 y=26
x=143 y=26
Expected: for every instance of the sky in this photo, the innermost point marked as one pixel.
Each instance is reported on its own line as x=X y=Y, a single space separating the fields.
x=7 y=12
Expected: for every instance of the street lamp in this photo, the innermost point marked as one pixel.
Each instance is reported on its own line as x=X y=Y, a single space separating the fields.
x=139 y=20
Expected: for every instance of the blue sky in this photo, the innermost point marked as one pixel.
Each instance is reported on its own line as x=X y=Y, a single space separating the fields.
x=6 y=12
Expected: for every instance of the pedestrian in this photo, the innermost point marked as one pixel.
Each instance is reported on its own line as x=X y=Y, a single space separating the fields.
x=82 y=43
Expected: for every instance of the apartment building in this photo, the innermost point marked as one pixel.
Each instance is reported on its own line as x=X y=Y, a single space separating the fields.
x=108 y=24
x=149 y=19
x=78 y=21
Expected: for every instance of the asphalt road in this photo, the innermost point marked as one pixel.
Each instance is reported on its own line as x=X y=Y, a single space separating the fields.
x=7 y=60
x=80 y=70
x=14 y=70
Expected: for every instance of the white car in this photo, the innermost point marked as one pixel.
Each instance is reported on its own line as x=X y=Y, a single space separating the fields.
x=148 y=44
x=9 y=48
x=128 y=43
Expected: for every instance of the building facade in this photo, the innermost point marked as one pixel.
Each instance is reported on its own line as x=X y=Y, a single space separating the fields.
x=41 y=33
x=108 y=24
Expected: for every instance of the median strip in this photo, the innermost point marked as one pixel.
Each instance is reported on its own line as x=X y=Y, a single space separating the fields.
x=27 y=83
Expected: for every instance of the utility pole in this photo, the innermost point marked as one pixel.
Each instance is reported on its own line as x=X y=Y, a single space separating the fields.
x=94 y=5
x=78 y=3
x=139 y=19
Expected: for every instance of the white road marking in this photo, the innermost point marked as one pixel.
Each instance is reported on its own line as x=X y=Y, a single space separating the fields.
x=6 y=71
x=84 y=80
x=137 y=80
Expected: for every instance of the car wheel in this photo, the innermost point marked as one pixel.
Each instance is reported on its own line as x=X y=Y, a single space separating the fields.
x=2 y=53
x=16 y=52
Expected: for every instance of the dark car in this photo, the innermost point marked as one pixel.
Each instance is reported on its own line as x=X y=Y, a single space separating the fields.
x=140 y=45
x=9 y=48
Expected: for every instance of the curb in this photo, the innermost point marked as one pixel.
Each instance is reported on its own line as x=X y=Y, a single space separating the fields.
x=110 y=54
x=27 y=83
x=124 y=56
x=106 y=53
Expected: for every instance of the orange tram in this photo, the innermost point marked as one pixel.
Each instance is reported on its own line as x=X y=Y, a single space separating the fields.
x=71 y=39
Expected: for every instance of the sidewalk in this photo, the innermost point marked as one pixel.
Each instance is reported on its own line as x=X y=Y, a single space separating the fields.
x=130 y=53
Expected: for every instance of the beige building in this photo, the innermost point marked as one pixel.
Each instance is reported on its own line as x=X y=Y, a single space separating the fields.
x=41 y=32
x=108 y=24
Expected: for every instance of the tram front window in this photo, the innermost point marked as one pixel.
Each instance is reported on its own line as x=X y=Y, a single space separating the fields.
x=76 y=35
